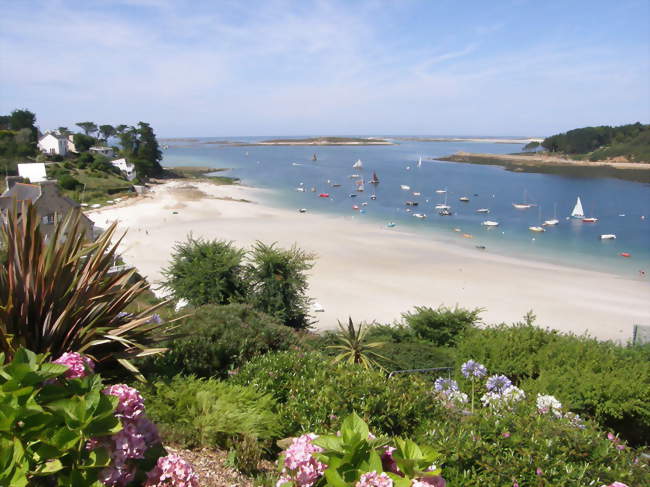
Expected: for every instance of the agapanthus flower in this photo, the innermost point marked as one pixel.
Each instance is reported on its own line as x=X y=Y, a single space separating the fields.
x=374 y=479
x=443 y=385
x=78 y=365
x=549 y=404
x=472 y=369
x=131 y=403
x=300 y=466
x=498 y=383
x=504 y=399
x=574 y=420
x=457 y=397
x=172 y=470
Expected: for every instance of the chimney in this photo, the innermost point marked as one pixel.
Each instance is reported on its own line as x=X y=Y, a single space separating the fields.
x=12 y=180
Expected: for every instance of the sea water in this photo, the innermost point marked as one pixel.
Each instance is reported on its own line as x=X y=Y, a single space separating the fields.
x=622 y=207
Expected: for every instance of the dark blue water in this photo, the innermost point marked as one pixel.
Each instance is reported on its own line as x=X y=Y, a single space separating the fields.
x=571 y=242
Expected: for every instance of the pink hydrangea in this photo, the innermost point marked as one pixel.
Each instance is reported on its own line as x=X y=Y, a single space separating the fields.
x=78 y=365
x=388 y=462
x=300 y=466
x=615 y=484
x=117 y=475
x=374 y=479
x=131 y=403
x=172 y=470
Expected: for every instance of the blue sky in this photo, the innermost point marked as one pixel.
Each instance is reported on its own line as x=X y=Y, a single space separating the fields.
x=225 y=68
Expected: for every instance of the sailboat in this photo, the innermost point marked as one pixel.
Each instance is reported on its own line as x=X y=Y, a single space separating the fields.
x=375 y=179
x=357 y=165
x=420 y=162
x=490 y=223
x=360 y=187
x=537 y=228
x=524 y=205
x=554 y=221
x=405 y=187
x=578 y=212
x=444 y=205
x=314 y=158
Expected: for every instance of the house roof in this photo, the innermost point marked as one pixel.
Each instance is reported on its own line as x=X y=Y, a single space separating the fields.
x=23 y=191
x=59 y=137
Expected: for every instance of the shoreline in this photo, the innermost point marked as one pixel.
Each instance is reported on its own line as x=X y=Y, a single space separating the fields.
x=487 y=140
x=369 y=272
x=629 y=171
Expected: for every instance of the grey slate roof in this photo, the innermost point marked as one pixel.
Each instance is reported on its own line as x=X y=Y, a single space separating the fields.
x=23 y=191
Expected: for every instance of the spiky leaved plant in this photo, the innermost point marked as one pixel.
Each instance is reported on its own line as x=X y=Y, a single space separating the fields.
x=57 y=295
x=353 y=346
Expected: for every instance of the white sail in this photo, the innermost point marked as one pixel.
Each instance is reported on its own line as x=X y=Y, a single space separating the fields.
x=577 y=210
x=420 y=162
x=358 y=164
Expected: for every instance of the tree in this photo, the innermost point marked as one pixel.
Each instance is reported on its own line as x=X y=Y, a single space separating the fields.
x=63 y=131
x=121 y=128
x=442 y=326
x=5 y=121
x=128 y=140
x=87 y=127
x=148 y=149
x=206 y=272
x=354 y=347
x=83 y=142
x=22 y=119
x=58 y=295
x=531 y=146
x=107 y=131
x=278 y=282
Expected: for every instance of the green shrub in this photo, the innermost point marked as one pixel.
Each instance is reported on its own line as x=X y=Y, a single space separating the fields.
x=216 y=339
x=206 y=272
x=45 y=422
x=601 y=380
x=313 y=394
x=508 y=448
x=66 y=181
x=441 y=326
x=207 y=412
x=245 y=454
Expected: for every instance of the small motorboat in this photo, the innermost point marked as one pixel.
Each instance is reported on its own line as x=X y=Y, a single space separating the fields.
x=483 y=210
x=416 y=193
x=550 y=223
x=324 y=195
x=537 y=229
x=354 y=176
x=411 y=203
x=464 y=199
x=445 y=212
x=419 y=215
x=590 y=219
x=490 y=223
x=625 y=254
x=390 y=224
x=608 y=236
x=365 y=203
x=457 y=229
x=441 y=191
x=303 y=210
x=521 y=206
x=301 y=190
x=373 y=196
x=468 y=235
x=353 y=195
x=405 y=187
x=443 y=207
x=355 y=207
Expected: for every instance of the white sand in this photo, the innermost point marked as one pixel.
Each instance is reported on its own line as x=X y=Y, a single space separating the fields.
x=373 y=273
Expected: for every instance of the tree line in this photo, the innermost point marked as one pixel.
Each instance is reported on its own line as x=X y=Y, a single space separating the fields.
x=588 y=139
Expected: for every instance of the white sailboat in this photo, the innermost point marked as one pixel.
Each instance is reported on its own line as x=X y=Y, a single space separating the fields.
x=358 y=164
x=360 y=186
x=578 y=212
x=444 y=206
x=490 y=223
x=405 y=187
x=524 y=205
x=538 y=228
x=420 y=162
x=553 y=221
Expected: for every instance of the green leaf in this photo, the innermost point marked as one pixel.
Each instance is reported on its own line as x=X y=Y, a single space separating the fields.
x=334 y=479
x=329 y=443
x=354 y=429
x=48 y=468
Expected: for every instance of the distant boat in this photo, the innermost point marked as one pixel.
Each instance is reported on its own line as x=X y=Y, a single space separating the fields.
x=578 y=212
x=313 y=189
x=608 y=236
x=536 y=228
x=360 y=187
x=419 y=215
x=390 y=224
x=303 y=210
x=524 y=205
x=554 y=220
x=353 y=195
x=355 y=207
x=373 y=196
x=336 y=185
x=441 y=191
x=420 y=162
x=445 y=212
x=324 y=195
x=490 y=223
x=314 y=158
x=302 y=190
x=483 y=210
x=416 y=193
x=443 y=206
x=411 y=203
x=358 y=164
x=464 y=199
x=590 y=219
x=405 y=187
x=375 y=179
x=353 y=176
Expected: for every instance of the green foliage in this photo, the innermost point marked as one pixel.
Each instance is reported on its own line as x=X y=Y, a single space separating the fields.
x=487 y=448
x=278 y=283
x=66 y=181
x=206 y=272
x=531 y=146
x=18 y=137
x=57 y=295
x=354 y=347
x=442 y=326
x=636 y=149
x=313 y=394
x=245 y=455
x=352 y=453
x=83 y=142
x=87 y=127
x=601 y=380
x=217 y=339
x=45 y=422
x=85 y=157
x=106 y=131
x=148 y=149
x=197 y=412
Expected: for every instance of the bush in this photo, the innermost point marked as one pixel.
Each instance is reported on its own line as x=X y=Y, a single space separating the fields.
x=197 y=412
x=601 y=380
x=217 y=339
x=66 y=181
x=85 y=157
x=313 y=394
x=278 y=283
x=206 y=272
x=442 y=326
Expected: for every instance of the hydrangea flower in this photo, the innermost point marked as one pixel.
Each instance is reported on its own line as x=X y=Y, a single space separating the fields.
x=78 y=365
x=374 y=479
x=472 y=369
x=443 y=385
x=117 y=475
x=615 y=484
x=172 y=470
x=300 y=466
x=388 y=462
x=549 y=404
x=131 y=403
x=498 y=383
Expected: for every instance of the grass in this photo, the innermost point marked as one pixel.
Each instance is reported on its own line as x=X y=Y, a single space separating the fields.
x=199 y=172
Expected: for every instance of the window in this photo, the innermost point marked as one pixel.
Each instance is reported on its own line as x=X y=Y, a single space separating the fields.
x=48 y=219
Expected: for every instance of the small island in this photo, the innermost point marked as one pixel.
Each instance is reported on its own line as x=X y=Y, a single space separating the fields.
x=327 y=141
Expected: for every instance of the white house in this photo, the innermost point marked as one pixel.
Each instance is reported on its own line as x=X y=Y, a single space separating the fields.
x=105 y=151
x=34 y=171
x=70 y=144
x=126 y=167
x=53 y=144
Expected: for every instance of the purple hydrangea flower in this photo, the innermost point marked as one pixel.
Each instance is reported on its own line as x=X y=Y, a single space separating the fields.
x=131 y=403
x=472 y=369
x=374 y=479
x=498 y=383
x=78 y=365
x=172 y=470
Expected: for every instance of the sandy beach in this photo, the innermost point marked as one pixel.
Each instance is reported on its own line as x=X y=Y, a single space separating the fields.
x=370 y=272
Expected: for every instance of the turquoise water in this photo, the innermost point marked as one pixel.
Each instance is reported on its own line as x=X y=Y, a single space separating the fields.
x=571 y=242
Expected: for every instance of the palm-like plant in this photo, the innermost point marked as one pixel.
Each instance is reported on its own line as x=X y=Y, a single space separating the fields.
x=353 y=346
x=57 y=294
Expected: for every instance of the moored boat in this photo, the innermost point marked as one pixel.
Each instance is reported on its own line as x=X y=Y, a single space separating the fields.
x=578 y=212
x=375 y=179
x=445 y=212
x=358 y=164
x=405 y=187
x=590 y=219
x=483 y=210
x=536 y=228
x=324 y=195
x=490 y=223
x=464 y=199
x=607 y=236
